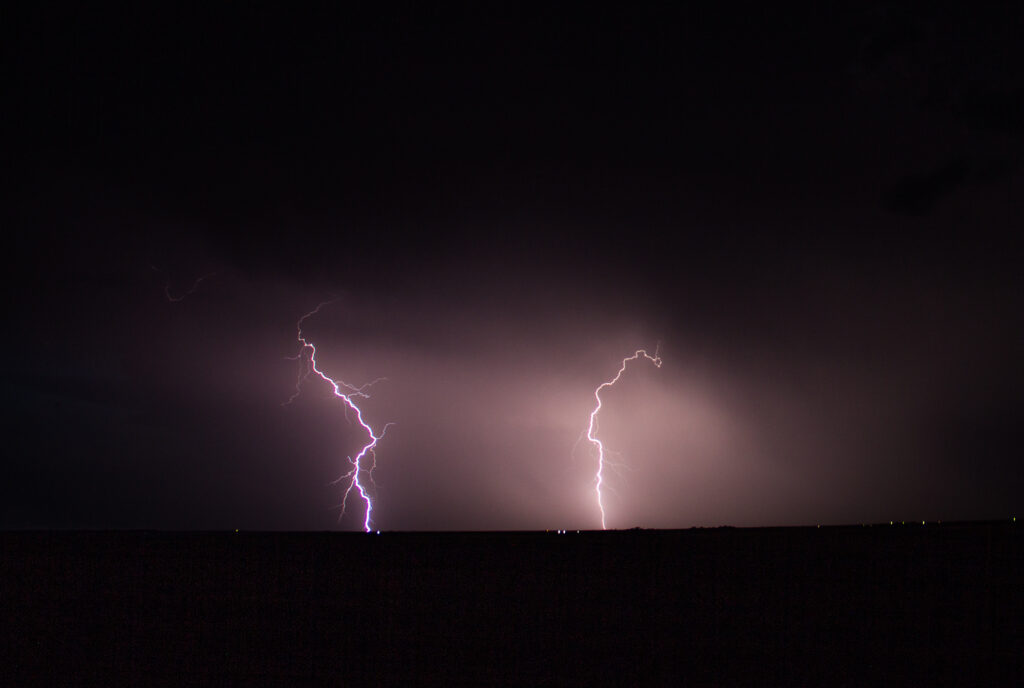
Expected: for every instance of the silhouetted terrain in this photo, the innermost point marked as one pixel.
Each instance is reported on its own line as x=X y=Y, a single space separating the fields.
x=881 y=605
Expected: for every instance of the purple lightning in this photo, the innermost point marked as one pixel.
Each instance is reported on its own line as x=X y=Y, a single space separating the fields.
x=356 y=475
x=592 y=429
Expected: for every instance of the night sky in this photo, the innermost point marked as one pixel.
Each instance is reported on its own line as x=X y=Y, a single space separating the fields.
x=817 y=216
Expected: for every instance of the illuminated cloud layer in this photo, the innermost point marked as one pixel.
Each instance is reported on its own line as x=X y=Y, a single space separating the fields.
x=819 y=221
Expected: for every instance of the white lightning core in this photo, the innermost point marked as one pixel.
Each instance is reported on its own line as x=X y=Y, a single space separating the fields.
x=359 y=471
x=592 y=428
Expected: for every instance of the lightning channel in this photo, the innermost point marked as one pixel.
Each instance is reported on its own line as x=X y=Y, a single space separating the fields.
x=592 y=428
x=171 y=298
x=360 y=473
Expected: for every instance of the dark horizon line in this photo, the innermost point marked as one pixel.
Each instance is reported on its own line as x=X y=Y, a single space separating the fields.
x=553 y=531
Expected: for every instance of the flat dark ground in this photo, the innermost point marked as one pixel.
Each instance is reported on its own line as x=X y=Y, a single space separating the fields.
x=881 y=605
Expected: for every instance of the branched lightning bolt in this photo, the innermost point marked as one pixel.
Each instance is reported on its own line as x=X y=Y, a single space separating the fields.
x=592 y=428
x=366 y=460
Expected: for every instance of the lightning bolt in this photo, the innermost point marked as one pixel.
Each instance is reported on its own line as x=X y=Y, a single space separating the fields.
x=365 y=461
x=192 y=290
x=592 y=428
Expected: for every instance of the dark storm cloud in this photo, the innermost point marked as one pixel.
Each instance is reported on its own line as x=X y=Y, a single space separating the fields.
x=918 y=194
x=784 y=398
x=501 y=208
x=997 y=110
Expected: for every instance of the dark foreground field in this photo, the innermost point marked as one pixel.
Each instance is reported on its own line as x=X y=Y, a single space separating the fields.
x=882 y=605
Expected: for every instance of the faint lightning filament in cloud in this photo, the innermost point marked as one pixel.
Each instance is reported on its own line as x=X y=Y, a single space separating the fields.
x=366 y=460
x=192 y=290
x=592 y=428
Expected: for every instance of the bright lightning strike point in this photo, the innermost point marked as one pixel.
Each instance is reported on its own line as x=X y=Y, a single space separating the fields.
x=592 y=428
x=366 y=460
